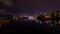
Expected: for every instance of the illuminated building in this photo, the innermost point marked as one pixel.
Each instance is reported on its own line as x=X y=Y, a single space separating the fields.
x=52 y=17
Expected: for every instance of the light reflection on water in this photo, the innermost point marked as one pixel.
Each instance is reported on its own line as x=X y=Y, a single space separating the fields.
x=45 y=22
x=36 y=21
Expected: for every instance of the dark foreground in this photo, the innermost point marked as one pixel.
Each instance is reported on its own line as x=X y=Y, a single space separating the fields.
x=28 y=26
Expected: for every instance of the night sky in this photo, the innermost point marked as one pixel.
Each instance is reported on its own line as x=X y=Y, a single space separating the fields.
x=30 y=7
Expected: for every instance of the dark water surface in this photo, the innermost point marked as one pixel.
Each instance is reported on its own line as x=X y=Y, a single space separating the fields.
x=28 y=26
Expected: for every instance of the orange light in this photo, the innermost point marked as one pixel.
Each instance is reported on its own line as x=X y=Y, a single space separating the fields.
x=47 y=16
x=59 y=21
